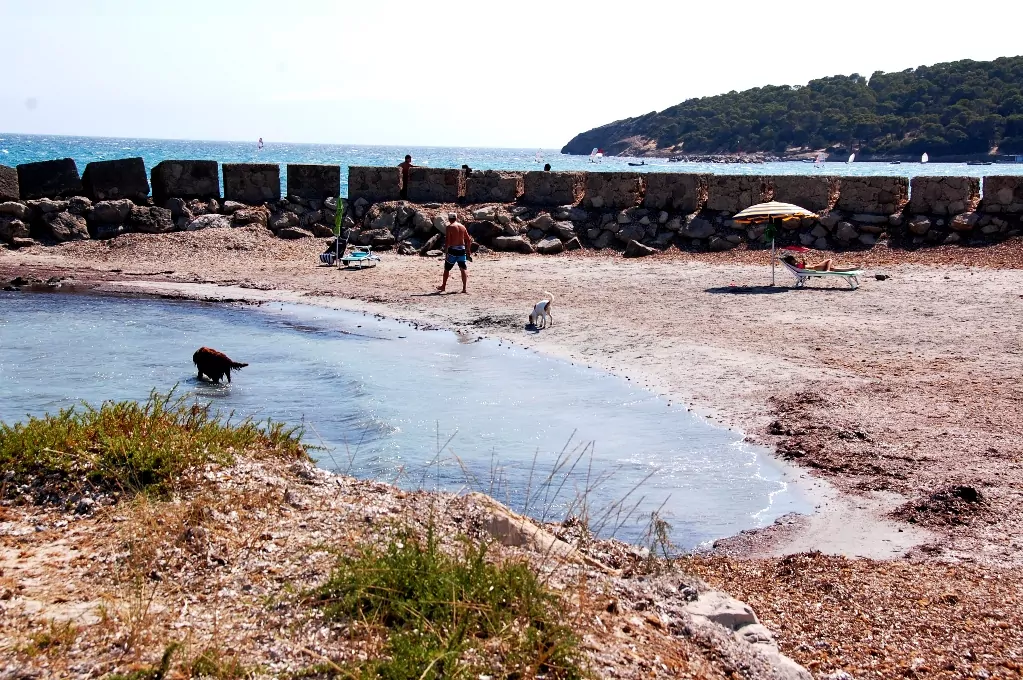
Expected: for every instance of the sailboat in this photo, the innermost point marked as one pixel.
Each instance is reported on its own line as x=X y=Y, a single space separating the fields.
x=539 y=156
x=596 y=155
x=852 y=157
x=924 y=159
x=818 y=162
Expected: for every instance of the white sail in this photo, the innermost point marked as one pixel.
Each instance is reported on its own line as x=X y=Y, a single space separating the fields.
x=852 y=157
x=819 y=160
x=924 y=159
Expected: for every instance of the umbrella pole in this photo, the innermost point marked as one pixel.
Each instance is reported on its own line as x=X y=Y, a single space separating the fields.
x=772 y=253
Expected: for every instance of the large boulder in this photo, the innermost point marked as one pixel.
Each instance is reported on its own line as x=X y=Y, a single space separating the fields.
x=17 y=210
x=112 y=180
x=49 y=179
x=637 y=249
x=564 y=230
x=112 y=212
x=918 y=225
x=252 y=183
x=280 y=220
x=550 y=246
x=513 y=243
x=47 y=205
x=185 y=179
x=150 y=220
x=543 y=222
x=209 y=221
x=9 y=189
x=845 y=231
x=383 y=221
x=259 y=216
x=697 y=228
x=376 y=237
x=12 y=228
x=65 y=226
x=294 y=233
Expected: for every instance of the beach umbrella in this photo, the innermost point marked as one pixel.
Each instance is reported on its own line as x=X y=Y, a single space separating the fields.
x=769 y=213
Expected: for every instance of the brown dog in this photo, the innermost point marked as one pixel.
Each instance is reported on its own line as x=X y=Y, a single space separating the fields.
x=213 y=364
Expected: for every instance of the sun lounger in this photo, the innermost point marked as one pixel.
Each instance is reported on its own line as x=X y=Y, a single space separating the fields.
x=852 y=277
x=360 y=258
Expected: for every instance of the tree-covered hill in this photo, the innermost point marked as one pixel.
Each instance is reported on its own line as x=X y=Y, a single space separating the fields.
x=959 y=108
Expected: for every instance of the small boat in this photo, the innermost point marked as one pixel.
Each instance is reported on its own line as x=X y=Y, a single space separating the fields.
x=978 y=162
x=924 y=158
x=636 y=165
x=895 y=163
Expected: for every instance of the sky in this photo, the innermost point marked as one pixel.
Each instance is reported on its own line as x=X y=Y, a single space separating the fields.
x=437 y=73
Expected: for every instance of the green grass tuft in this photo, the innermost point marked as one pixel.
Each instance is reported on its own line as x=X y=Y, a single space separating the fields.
x=451 y=617
x=131 y=446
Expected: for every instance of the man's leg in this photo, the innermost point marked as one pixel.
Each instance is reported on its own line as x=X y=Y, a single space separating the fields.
x=465 y=277
x=447 y=270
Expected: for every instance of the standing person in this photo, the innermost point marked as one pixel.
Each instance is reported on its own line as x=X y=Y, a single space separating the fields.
x=405 y=168
x=458 y=247
x=546 y=167
x=259 y=146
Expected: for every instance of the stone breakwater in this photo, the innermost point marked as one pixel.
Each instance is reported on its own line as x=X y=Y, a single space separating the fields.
x=527 y=212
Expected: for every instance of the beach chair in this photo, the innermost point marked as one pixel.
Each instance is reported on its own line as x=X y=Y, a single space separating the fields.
x=852 y=277
x=360 y=257
x=328 y=258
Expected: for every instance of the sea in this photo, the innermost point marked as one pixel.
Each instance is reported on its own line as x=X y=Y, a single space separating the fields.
x=16 y=148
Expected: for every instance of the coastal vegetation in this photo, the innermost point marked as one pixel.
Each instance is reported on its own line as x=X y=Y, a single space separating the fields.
x=956 y=108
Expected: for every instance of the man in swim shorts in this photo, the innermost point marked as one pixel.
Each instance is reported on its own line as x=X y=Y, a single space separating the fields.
x=458 y=249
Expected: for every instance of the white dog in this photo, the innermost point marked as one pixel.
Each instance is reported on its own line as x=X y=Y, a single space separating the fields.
x=542 y=311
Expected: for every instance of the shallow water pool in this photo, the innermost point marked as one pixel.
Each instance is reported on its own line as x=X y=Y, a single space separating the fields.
x=419 y=408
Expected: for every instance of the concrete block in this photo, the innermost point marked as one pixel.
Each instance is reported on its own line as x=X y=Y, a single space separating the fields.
x=732 y=193
x=1002 y=194
x=493 y=186
x=117 y=179
x=873 y=195
x=373 y=184
x=184 y=179
x=816 y=194
x=49 y=179
x=314 y=181
x=252 y=183
x=943 y=195
x=9 y=190
x=439 y=185
x=614 y=190
x=552 y=188
x=676 y=192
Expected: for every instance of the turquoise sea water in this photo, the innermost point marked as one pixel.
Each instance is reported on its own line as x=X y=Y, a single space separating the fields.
x=383 y=398
x=15 y=149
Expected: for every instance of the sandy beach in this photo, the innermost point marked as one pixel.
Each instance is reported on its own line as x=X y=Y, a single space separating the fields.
x=901 y=398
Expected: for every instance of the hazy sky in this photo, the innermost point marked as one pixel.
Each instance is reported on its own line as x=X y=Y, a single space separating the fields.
x=440 y=73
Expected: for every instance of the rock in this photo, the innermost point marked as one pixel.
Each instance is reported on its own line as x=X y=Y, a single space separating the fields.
x=873 y=228
x=209 y=222
x=64 y=226
x=513 y=243
x=433 y=253
x=592 y=233
x=150 y=220
x=573 y=243
x=578 y=215
x=103 y=232
x=821 y=244
x=830 y=221
x=818 y=231
x=177 y=206
x=845 y=231
x=919 y=225
x=17 y=242
x=663 y=239
x=868 y=239
x=734 y=238
x=662 y=218
x=631 y=232
x=723 y=610
x=871 y=219
x=990 y=229
x=697 y=228
x=806 y=239
x=881 y=277
x=115 y=179
x=717 y=243
x=421 y=222
x=604 y=240
x=79 y=205
x=623 y=217
x=550 y=246
x=535 y=234
x=311 y=217
x=113 y=212
x=384 y=221
x=371 y=237
x=406 y=248
x=46 y=205
x=240 y=218
x=637 y=249
x=321 y=230
x=597 y=202
x=486 y=213
x=756 y=634
x=674 y=224
x=564 y=230
x=952 y=238
x=440 y=223
x=543 y=222
x=963 y=222
x=645 y=221
x=895 y=220
x=12 y=228
x=231 y=207
x=18 y=211
x=198 y=206
x=294 y=233
x=281 y=220
x=431 y=244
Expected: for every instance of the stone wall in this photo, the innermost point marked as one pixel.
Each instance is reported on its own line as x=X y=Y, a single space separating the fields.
x=552 y=188
x=112 y=180
x=373 y=184
x=1002 y=194
x=873 y=195
x=612 y=190
x=184 y=179
x=252 y=183
x=9 y=190
x=49 y=179
x=817 y=194
x=673 y=191
x=493 y=186
x=440 y=185
x=943 y=195
x=314 y=181
x=732 y=193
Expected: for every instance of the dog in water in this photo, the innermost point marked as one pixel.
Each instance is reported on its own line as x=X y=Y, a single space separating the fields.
x=542 y=311
x=213 y=364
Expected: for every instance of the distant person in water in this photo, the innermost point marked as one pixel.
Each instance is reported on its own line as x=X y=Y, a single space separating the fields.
x=546 y=167
x=458 y=249
x=259 y=146
x=405 y=168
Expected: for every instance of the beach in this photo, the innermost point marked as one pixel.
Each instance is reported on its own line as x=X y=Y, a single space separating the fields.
x=901 y=399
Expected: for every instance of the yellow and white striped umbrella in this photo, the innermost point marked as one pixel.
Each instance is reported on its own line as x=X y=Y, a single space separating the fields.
x=773 y=210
